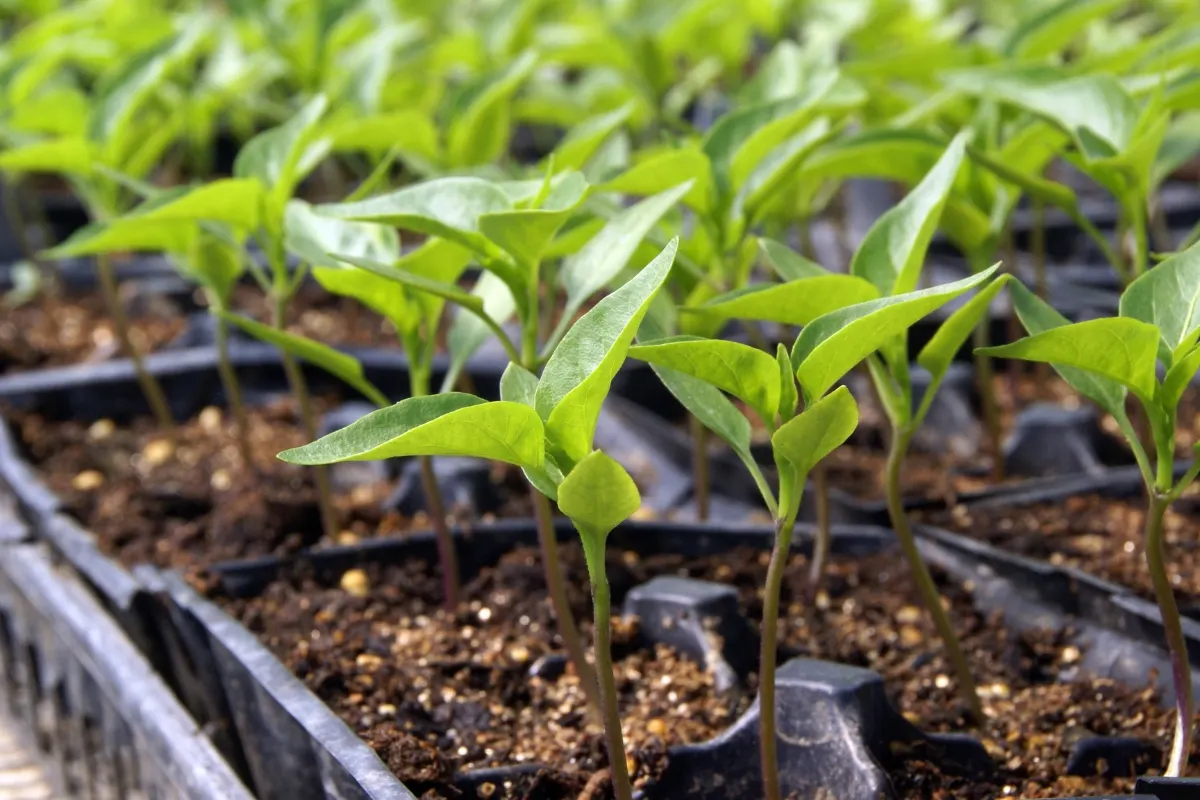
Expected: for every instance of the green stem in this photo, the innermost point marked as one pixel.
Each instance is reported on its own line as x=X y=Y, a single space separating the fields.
x=824 y=538
x=987 y=394
x=436 y=506
x=308 y=418
x=766 y=663
x=233 y=391
x=622 y=789
x=150 y=386
x=1180 y=667
x=556 y=585
x=1141 y=240
x=700 y=479
x=20 y=229
x=923 y=579
x=1042 y=286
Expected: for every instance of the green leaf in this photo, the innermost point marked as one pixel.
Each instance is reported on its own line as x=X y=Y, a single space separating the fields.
x=232 y=201
x=816 y=431
x=937 y=355
x=479 y=132
x=787 y=263
x=315 y=238
x=525 y=233
x=445 y=207
x=578 y=375
x=797 y=302
x=831 y=345
x=1037 y=316
x=443 y=289
x=1168 y=297
x=711 y=407
x=607 y=253
x=1049 y=30
x=775 y=169
x=597 y=496
x=1099 y=115
x=68 y=155
x=581 y=142
x=518 y=385
x=788 y=395
x=1179 y=377
x=451 y=424
x=345 y=368
x=893 y=251
x=1181 y=145
x=665 y=170
x=127 y=235
x=282 y=156
x=1118 y=348
x=745 y=372
x=411 y=131
x=468 y=332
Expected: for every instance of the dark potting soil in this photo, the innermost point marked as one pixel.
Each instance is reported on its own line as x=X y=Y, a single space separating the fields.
x=57 y=332
x=434 y=693
x=199 y=505
x=1099 y=535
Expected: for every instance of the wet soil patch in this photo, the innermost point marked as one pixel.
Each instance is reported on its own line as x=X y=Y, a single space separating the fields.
x=435 y=693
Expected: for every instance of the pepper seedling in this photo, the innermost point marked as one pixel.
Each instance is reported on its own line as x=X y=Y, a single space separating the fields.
x=508 y=227
x=1107 y=359
x=544 y=426
x=699 y=371
x=744 y=163
x=127 y=130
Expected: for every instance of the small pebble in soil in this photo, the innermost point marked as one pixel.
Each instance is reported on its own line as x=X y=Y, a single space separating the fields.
x=210 y=419
x=355 y=582
x=88 y=480
x=156 y=452
x=221 y=480
x=101 y=429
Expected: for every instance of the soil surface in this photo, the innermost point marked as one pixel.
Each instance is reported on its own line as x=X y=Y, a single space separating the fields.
x=52 y=332
x=434 y=693
x=199 y=505
x=1099 y=535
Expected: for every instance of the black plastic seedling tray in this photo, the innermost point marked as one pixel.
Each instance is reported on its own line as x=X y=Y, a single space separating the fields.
x=836 y=724
x=87 y=703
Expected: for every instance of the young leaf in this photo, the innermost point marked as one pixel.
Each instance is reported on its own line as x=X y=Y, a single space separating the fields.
x=796 y=302
x=1168 y=297
x=662 y=171
x=745 y=372
x=787 y=263
x=451 y=424
x=1037 y=316
x=607 y=253
x=232 y=201
x=128 y=234
x=1118 y=348
x=445 y=207
x=939 y=352
x=1051 y=28
x=479 y=131
x=282 y=156
x=788 y=395
x=1179 y=377
x=831 y=345
x=817 y=431
x=893 y=251
x=580 y=371
x=341 y=366
x=711 y=407
x=468 y=332
x=524 y=233
x=582 y=142
x=68 y=155
x=597 y=496
x=518 y=385
x=316 y=239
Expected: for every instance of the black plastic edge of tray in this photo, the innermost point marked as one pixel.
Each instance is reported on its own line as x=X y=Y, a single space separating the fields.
x=86 y=701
